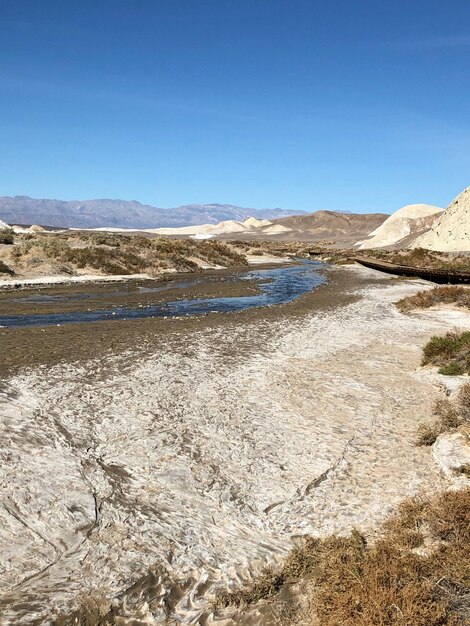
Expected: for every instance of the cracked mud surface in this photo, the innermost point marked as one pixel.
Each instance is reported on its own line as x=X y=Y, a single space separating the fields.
x=155 y=474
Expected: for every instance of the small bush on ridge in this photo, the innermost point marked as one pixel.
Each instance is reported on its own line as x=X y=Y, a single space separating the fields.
x=7 y=236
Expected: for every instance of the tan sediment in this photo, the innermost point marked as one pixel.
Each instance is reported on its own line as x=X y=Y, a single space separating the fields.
x=203 y=456
x=451 y=232
x=409 y=221
x=18 y=283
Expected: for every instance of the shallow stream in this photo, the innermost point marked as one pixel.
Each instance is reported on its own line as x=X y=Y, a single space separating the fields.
x=278 y=285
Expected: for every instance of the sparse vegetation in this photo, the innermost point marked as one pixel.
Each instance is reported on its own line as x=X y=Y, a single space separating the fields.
x=117 y=254
x=449 y=415
x=7 y=237
x=462 y=402
x=428 y=433
x=458 y=296
x=105 y=239
x=416 y=574
x=422 y=258
x=451 y=352
x=4 y=269
x=453 y=369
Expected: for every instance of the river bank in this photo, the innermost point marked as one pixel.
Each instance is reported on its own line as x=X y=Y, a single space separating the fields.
x=153 y=462
x=147 y=301
x=14 y=283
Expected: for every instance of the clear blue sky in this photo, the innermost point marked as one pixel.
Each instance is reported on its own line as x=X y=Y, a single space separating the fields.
x=360 y=105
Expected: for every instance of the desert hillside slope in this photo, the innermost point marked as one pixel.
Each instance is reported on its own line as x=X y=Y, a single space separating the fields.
x=408 y=222
x=333 y=225
x=451 y=232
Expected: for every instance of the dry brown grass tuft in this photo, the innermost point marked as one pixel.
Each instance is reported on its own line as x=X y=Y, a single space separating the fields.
x=428 y=433
x=450 y=415
x=458 y=296
x=391 y=582
x=267 y=585
x=463 y=402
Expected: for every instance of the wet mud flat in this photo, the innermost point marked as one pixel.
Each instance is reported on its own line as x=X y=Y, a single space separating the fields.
x=150 y=462
x=25 y=346
x=34 y=299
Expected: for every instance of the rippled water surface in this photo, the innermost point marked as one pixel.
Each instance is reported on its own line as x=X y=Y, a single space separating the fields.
x=279 y=285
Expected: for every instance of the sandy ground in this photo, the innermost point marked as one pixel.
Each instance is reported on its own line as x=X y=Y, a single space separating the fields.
x=153 y=477
x=15 y=283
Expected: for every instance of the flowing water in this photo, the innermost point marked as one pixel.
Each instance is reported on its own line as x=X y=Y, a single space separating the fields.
x=276 y=286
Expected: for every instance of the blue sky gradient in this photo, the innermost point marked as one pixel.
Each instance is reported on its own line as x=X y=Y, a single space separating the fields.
x=341 y=105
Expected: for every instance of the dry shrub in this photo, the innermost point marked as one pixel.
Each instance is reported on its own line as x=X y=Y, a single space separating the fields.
x=451 y=352
x=450 y=415
x=465 y=470
x=121 y=254
x=428 y=433
x=458 y=296
x=463 y=402
x=7 y=236
x=418 y=256
x=351 y=583
x=422 y=258
x=299 y=249
x=267 y=585
x=4 y=269
x=107 y=239
x=109 y=261
x=380 y=586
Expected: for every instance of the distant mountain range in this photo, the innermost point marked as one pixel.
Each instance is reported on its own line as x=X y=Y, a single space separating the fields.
x=122 y=213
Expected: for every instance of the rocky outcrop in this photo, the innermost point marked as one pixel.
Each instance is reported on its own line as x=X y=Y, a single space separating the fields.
x=451 y=451
x=451 y=232
x=408 y=222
